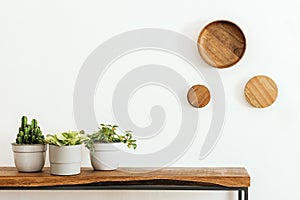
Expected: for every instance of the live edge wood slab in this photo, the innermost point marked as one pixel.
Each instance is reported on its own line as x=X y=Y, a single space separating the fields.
x=227 y=177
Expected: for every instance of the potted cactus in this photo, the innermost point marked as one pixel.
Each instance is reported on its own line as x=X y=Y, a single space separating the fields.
x=29 y=148
x=65 y=152
x=104 y=146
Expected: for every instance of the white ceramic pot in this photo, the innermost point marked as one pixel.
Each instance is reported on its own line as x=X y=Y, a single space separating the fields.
x=65 y=160
x=106 y=156
x=29 y=157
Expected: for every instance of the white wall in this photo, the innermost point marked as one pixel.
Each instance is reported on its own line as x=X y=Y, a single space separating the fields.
x=44 y=43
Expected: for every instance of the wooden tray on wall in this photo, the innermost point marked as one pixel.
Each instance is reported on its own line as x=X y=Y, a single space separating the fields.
x=221 y=44
x=198 y=96
x=261 y=91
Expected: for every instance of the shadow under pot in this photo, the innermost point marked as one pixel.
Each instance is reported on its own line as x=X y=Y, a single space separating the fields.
x=29 y=157
x=65 y=160
x=106 y=156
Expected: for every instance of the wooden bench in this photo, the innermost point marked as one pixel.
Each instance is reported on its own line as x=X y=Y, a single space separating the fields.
x=229 y=179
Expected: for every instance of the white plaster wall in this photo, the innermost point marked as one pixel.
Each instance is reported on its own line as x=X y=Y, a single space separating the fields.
x=44 y=43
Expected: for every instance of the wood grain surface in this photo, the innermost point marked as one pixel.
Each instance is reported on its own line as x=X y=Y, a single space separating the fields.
x=198 y=96
x=221 y=44
x=261 y=91
x=230 y=177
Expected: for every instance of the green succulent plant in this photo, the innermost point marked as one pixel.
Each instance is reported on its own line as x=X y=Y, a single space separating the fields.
x=68 y=138
x=108 y=134
x=29 y=133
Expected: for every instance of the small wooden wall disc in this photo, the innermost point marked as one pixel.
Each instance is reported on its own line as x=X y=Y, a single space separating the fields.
x=198 y=96
x=221 y=44
x=261 y=91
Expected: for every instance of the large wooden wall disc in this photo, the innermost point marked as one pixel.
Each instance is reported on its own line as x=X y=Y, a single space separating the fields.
x=198 y=96
x=221 y=44
x=261 y=91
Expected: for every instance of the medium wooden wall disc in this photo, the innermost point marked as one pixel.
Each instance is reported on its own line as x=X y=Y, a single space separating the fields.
x=261 y=91
x=221 y=44
x=198 y=96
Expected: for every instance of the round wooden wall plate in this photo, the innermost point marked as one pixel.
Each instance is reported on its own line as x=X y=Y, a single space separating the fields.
x=261 y=91
x=198 y=96
x=221 y=44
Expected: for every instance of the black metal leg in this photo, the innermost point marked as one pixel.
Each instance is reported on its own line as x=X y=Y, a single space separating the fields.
x=246 y=193
x=240 y=194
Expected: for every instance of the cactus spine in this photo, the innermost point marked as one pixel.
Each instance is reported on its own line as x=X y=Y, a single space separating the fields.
x=29 y=133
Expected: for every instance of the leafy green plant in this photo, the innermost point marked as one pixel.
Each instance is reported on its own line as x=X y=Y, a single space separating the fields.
x=66 y=138
x=29 y=133
x=108 y=134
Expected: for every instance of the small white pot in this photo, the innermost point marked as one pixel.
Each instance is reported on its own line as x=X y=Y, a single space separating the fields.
x=29 y=157
x=65 y=160
x=106 y=156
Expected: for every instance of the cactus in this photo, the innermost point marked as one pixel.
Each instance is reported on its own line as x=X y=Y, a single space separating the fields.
x=29 y=133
